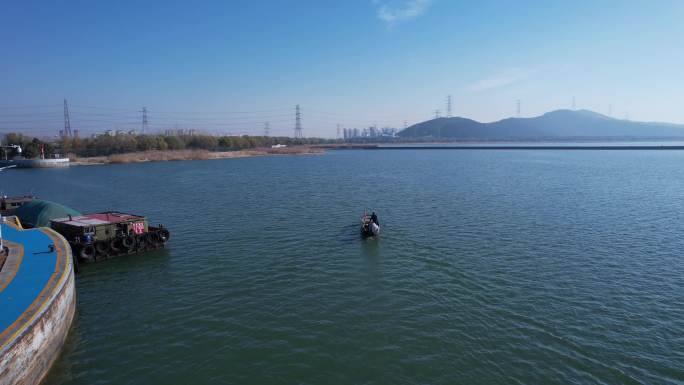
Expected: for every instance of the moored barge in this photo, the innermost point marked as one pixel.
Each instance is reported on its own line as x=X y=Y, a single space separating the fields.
x=108 y=234
x=92 y=237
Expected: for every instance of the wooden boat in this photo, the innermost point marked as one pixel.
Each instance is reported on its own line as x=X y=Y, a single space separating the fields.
x=368 y=227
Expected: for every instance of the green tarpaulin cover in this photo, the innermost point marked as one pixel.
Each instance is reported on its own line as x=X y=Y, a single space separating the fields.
x=38 y=213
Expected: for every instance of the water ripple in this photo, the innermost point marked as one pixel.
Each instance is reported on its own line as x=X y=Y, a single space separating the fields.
x=493 y=267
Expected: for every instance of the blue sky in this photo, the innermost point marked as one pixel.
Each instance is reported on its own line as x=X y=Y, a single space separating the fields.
x=229 y=66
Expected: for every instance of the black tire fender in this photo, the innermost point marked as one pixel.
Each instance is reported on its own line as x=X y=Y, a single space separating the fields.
x=128 y=242
x=142 y=241
x=87 y=252
x=155 y=238
x=114 y=245
x=101 y=247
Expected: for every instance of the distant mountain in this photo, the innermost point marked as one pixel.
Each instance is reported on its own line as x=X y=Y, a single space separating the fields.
x=559 y=124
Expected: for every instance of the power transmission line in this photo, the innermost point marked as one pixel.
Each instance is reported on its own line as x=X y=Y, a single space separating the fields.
x=67 y=122
x=30 y=107
x=203 y=112
x=298 y=123
x=95 y=119
x=449 y=106
x=144 y=120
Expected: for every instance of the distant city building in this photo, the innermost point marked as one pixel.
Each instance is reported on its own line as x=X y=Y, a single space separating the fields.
x=370 y=132
x=388 y=132
x=180 y=132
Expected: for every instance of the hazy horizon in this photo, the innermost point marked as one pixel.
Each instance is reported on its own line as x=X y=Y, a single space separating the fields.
x=228 y=68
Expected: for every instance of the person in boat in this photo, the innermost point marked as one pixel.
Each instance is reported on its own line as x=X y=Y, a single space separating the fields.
x=374 y=219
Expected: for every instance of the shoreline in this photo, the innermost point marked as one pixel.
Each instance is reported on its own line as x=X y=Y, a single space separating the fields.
x=507 y=146
x=181 y=155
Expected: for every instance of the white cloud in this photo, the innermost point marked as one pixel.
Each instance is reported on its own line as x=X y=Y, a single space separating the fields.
x=395 y=11
x=500 y=80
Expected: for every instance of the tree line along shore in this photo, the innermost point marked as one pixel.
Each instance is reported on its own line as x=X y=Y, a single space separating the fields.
x=130 y=148
x=125 y=148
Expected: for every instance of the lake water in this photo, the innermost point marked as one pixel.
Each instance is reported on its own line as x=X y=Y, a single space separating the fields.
x=493 y=267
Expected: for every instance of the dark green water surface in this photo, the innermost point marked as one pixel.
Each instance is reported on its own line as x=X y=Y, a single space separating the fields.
x=493 y=267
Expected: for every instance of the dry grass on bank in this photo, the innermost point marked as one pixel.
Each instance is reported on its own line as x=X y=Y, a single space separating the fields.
x=173 y=155
x=159 y=156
